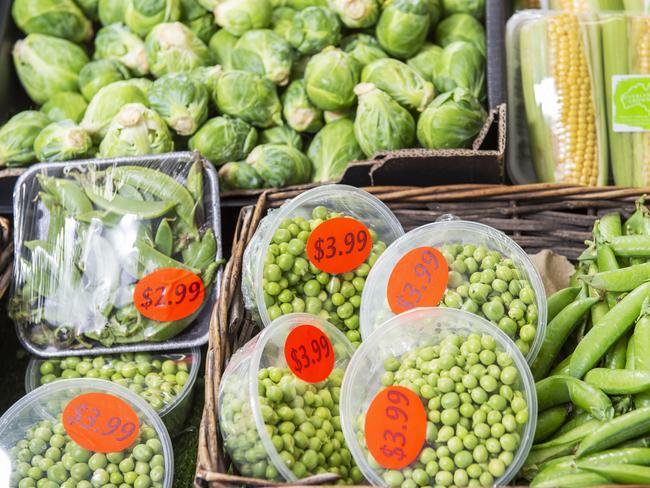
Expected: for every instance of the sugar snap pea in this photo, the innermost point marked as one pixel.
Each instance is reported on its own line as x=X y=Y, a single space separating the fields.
x=125 y=206
x=617 y=430
x=623 y=279
x=631 y=455
x=616 y=355
x=556 y=390
x=628 y=474
x=559 y=300
x=576 y=434
x=639 y=221
x=630 y=353
x=619 y=381
x=537 y=457
x=641 y=338
x=631 y=246
x=607 y=331
x=609 y=226
x=578 y=419
x=554 y=472
x=549 y=421
x=574 y=480
x=562 y=368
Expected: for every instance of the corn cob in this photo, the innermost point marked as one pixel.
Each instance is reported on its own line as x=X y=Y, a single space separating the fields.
x=561 y=71
x=586 y=6
x=639 y=6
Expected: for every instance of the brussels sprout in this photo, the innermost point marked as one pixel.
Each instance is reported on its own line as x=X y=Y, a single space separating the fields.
x=208 y=76
x=136 y=131
x=282 y=19
x=192 y=10
x=475 y=8
x=435 y=6
x=143 y=84
x=90 y=8
x=240 y=16
x=58 y=18
x=363 y=48
x=356 y=14
x=264 y=52
x=118 y=43
x=100 y=73
x=65 y=105
x=403 y=27
x=461 y=65
x=62 y=141
x=300 y=114
x=224 y=139
x=333 y=148
x=279 y=165
x=17 y=137
x=330 y=79
x=461 y=27
x=453 y=120
x=143 y=15
x=173 y=48
x=401 y=82
x=426 y=61
x=47 y=65
x=204 y=27
x=107 y=103
x=181 y=101
x=239 y=176
x=382 y=124
x=281 y=135
x=221 y=46
x=303 y=4
x=299 y=67
x=111 y=11
x=313 y=29
x=250 y=97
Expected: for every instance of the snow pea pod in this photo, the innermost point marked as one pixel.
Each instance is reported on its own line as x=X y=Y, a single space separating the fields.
x=549 y=421
x=108 y=219
x=199 y=254
x=559 y=300
x=575 y=434
x=67 y=193
x=151 y=259
x=628 y=474
x=126 y=206
x=55 y=226
x=557 y=332
x=631 y=246
x=164 y=240
x=641 y=338
x=617 y=430
x=619 y=280
x=607 y=331
x=195 y=183
x=574 y=480
x=128 y=191
x=619 y=381
x=556 y=390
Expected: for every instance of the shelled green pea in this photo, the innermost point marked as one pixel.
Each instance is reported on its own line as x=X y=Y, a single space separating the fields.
x=475 y=412
x=47 y=458
x=488 y=284
x=156 y=379
x=292 y=284
x=302 y=421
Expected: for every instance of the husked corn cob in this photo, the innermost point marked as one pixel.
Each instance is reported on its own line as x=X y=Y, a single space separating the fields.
x=586 y=6
x=562 y=85
x=637 y=6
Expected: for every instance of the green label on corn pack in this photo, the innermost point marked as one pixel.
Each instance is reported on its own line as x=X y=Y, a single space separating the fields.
x=631 y=103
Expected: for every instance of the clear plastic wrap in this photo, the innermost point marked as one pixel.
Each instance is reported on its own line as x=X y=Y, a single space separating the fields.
x=116 y=255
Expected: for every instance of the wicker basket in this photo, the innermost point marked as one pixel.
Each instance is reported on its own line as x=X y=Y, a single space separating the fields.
x=6 y=255
x=542 y=216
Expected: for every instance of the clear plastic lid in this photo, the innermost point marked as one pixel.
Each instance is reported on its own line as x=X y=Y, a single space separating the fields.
x=278 y=401
x=461 y=369
x=459 y=264
x=279 y=276
x=84 y=430
x=163 y=379
x=114 y=254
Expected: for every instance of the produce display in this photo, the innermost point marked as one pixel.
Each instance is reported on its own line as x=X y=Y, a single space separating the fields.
x=107 y=230
x=339 y=80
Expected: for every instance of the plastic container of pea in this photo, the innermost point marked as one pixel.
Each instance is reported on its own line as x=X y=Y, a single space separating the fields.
x=165 y=379
x=278 y=402
x=489 y=274
x=278 y=276
x=39 y=435
x=476 y=391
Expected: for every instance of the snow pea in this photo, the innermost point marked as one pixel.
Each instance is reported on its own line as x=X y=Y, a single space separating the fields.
x=556 y=390
x=67 y=193
x=199 y=254
x=129 y=191
x=164 y=240
x=559 y=300
x=195 y=183
x=549 y=421
x=557 y=332
x=617 y=430
x=619 y=381
x=55 y=226
x=623 y=279
x=151 y=259
x=607 y=331
x=126 y=206
x=628 y=474
x=107 y=219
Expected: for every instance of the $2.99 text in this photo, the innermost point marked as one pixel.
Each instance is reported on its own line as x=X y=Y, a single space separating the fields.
x=169 y=294
x=180 y=293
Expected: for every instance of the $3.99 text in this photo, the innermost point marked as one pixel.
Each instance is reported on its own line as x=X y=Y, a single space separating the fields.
x=328 y=248
x=86 y=417
x=303 y=358
x=396 y=441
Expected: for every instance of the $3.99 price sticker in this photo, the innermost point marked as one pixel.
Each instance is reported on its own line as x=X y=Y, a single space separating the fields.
x=419 y=279
x=101 y=422
x=309 y=353
x=396 y=427
x=169 y=294
x=339 y=245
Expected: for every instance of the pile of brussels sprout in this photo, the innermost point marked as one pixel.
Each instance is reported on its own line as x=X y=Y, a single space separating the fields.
x=274 y=92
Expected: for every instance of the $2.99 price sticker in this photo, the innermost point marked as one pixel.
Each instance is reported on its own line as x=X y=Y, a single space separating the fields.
x=419 y=279
x=101 y=422
x=339 y=245
x=396 y=427
x=169 y=294
x=309 y=353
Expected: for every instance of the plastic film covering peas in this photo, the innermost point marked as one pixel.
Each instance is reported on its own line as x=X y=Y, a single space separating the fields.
x=475 y=388
x=276 y=426
x=36 y=448
x=164 y=380
x=115 y=254
x=489 y=275
x=278 y=276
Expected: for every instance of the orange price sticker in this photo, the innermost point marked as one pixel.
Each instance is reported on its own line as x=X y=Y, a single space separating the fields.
x=396 y=427
x=419 y=279
x=101 y=422
x=309 y=353
x=169 y=294
x=339 y=245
